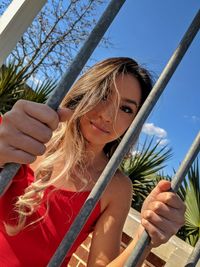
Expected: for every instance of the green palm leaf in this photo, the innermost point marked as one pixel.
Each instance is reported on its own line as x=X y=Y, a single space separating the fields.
x=190 y=193
x=40 y=93
x=142 y=169
x=13 y=86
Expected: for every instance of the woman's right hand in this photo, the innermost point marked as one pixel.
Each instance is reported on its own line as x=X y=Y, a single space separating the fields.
x=25 y=130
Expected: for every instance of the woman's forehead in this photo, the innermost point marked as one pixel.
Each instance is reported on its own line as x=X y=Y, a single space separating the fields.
x=128 y=87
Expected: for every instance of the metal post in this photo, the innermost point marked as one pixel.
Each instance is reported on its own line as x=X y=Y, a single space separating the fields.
x=144 y=241
x=128 y=140
x=195 y=256
x=69 y=77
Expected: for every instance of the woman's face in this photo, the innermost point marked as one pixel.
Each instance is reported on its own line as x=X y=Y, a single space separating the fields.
x=107 y=121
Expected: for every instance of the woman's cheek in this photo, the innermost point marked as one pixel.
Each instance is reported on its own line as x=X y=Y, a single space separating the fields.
x=125 y=124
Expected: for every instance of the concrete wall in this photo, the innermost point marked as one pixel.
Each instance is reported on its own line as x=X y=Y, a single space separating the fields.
x=174 y=253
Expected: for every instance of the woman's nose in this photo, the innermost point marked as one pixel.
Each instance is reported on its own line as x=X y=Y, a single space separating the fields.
x=108 y=112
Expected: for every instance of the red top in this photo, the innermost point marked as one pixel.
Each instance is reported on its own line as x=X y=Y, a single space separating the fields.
x=35 y=245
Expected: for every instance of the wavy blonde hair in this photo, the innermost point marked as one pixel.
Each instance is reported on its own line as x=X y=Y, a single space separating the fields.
x=85 y=94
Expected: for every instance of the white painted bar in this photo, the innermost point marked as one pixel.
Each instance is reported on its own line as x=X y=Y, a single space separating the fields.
x=14 y=22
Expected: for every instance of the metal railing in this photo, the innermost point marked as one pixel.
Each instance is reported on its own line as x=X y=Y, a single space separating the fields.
x=137 y=256
x=10 y=170
x=69 y=77
x=195 y=256
x=128 y=140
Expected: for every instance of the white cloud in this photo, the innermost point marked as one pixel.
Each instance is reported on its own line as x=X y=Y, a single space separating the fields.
x=35 y=80
x=159 y=133
x=163 y=142
x=195 y=118
x=134 y=152
x=151 y=129
x=192 y=118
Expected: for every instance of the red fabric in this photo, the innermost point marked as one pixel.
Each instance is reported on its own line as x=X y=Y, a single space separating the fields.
x=35 y=245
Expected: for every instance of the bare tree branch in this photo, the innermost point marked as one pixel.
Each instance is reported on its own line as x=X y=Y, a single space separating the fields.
x=51 y=42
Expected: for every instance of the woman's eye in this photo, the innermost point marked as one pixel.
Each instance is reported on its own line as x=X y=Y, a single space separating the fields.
x=126 y=109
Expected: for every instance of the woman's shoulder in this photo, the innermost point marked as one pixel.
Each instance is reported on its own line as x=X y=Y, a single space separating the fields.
x=118 y=191
x=121 y=183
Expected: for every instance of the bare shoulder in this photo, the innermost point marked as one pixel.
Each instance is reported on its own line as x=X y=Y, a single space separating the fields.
x=121 y=183
x=119 y=191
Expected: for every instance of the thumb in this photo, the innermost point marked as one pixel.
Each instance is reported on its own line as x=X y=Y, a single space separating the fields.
x=64 y=114
x=162 y=186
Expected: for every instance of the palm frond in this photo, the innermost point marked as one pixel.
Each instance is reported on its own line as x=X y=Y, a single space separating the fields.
x=142 y=168
x=40 y=93
x=13 y=86
x=190 y=193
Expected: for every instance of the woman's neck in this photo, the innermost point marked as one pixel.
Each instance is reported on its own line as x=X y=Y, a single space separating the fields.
x=95 y=156
x=94 y=163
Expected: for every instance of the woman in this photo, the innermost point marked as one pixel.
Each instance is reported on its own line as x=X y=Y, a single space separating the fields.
x=72 y=147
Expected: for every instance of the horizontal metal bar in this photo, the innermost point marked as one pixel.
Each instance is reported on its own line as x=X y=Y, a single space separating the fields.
x=14 y=21
x=69 y=77
x=144 y=241
x=195 y=256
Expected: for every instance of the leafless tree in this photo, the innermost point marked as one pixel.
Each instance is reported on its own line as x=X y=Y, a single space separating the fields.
x=51 y=42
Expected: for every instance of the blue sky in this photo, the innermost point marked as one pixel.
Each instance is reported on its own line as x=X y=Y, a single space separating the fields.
x=149 y=31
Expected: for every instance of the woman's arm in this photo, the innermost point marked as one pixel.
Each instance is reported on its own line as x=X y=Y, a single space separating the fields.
x=162 y=215
x=123 y=257
x=105 y=245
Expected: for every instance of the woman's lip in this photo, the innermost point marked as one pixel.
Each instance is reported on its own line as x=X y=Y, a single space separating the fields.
x=99 y=128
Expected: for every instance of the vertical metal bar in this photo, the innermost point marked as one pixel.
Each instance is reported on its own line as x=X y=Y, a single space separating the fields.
x=69 y=77
x=128 y=140
x=195 y=256
x=14 y=21
x=144 y=241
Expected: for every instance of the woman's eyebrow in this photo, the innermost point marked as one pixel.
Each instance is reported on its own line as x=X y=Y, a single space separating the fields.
x=131 y=101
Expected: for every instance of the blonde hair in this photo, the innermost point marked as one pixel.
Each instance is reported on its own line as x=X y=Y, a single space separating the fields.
x=85 y=94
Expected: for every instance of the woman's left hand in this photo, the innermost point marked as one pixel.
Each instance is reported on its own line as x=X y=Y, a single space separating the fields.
x=162 y=213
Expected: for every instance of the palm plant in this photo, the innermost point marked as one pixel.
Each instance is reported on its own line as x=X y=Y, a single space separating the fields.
x=190 y=193
x=13 y=87
x=142 y=168
x=11 y=84
x=40 y=93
